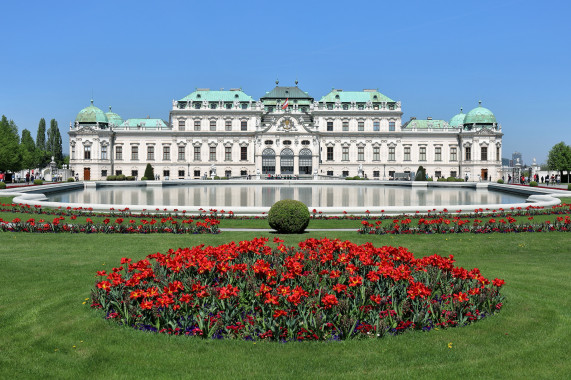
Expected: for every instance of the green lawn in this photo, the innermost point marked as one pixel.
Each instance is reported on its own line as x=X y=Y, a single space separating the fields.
x=44 y=278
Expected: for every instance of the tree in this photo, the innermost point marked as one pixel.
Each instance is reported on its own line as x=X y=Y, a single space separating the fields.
x=53 y=144
x=41 y=136
x=149 y=173
x=10 y=154
x=559 y=158
x=28 y=151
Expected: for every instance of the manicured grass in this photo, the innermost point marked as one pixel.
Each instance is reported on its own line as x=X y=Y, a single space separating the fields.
x=44 y=278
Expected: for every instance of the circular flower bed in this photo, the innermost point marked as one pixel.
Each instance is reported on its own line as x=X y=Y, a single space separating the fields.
x=321 y=290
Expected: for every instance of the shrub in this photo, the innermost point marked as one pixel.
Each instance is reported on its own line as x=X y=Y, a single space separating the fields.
x=430 y=179
x=2 y=185
x=111 y=178
x=131 y=178
x=216 y=177
x=149 y=173
x=441 y=179
x=143 y=178
x=38 y=182
x=533 y=184
x=289 y=216
x=420 y=174
x=569 y=186
x=500 y=180
x=121 y=177
x=71 y=179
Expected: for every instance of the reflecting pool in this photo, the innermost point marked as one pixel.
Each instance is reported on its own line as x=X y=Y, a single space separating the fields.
x=265 y=195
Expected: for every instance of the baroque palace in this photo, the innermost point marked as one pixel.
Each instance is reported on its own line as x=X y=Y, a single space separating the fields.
x=286 y=133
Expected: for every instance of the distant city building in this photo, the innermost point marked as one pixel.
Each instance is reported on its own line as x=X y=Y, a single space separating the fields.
x=286 y=133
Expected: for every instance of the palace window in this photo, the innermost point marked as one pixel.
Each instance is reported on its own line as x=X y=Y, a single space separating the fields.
x=228 y=106
x=453 y=173
x=484 y=153
x=228 y=125
x=345 y=106
x=244 y=125
x=391 y=126
x=422 y=153
x=213 y=106
x=305 y=142
x=345 y=126
x=104 y=152
x=268 y=142
x=118 y=153
x=103 y=172
x=361 y=153
x=228 y=153
x=438 y=154
x=181 y=125
x=438 y=174
x=212 y=156
x=181 y=153
x=407 y=153
x=197 y=125
x=87 y=152
x=118 y=172
x=497 y=153
x=287 y=142
x=376 y=126
x=453 y=154
x=150 y=153
x=376 y=153
x=166 y=174
x=329 y=153
x=329 y=106
x=330 y=172
x=361 y=126
x=196 y=153
x=345 y=153
x=212 y=125
x=468 y=153
x=181 y=174
x=134 y=152
x=166 y=153
x=391 y=153
x=197 y=105
x=345 y=173
x=243 y=153
x=197 y=173
x=376 y=173
x=244 y=106
x=134 y=173
x=329 y=126
x=361 y=106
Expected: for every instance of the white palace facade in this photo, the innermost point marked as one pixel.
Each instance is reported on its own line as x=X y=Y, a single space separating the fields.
x=286 y=133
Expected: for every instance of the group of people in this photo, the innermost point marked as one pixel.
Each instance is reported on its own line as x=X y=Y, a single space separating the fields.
x=524 y=180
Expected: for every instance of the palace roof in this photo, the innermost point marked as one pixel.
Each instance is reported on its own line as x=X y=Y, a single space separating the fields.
x=355 y=96
x=216 y=96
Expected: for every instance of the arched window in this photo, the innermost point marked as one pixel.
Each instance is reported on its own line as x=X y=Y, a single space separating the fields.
x=286 y=161
x=305 y=161
x=268 y=161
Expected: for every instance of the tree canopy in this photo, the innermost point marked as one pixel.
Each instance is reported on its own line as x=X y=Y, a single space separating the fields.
x=10 y=153
x=54 y=144
x=559 y=158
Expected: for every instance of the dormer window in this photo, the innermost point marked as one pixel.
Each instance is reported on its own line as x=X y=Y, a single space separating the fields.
x=198 y=96
x=337 y=96
x=236 y=96
x=375 y=97
x=287 y=142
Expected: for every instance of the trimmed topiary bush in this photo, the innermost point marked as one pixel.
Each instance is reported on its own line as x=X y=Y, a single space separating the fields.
x=500 y=180
x=38 y=182
x=2 y=185
x=289 y=216
x=120 y=177
x=569 y=186
x=111 y=178
x=533 y=184
x=71 y=179
x=420 y=174
x=149 y=173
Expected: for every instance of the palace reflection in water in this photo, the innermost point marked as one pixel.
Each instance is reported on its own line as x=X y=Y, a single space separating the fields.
x=267 y=195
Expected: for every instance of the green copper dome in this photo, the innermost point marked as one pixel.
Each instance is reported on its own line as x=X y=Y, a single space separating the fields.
x=458 y=120
x=480 y=115
x=91 y=115
x=113 y=118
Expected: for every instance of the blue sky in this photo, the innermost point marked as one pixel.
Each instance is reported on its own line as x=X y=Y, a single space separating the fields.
x=433 y=56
